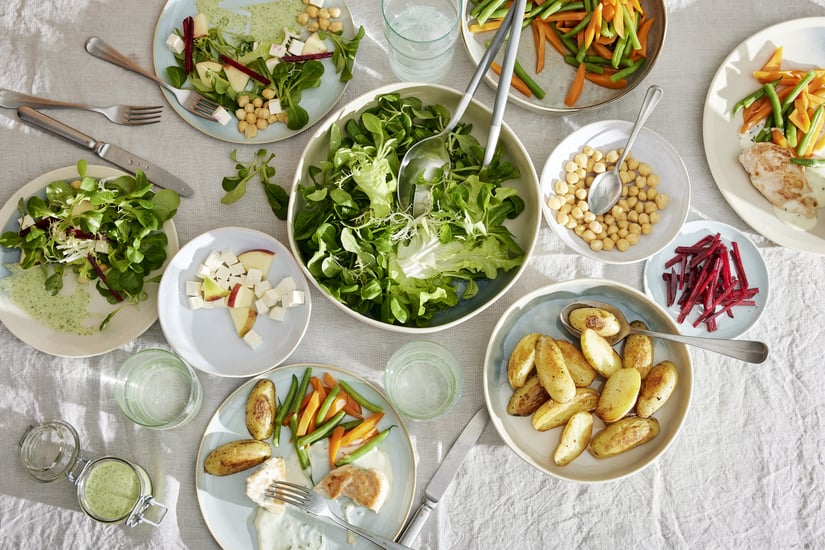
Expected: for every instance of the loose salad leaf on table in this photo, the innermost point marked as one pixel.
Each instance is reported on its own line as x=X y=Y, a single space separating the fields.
x=382 y=261
x=105 y=230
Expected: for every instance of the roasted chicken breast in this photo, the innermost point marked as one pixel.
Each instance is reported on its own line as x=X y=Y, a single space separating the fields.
x=367 y=487
x=782 y=182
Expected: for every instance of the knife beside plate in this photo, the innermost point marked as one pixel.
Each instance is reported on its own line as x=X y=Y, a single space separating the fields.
x=445 y=473
x=107 y=151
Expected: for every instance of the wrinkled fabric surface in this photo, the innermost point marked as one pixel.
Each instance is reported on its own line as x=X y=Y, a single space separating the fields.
x=745 y=472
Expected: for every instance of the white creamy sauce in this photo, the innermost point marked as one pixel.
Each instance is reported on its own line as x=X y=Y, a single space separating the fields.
x=286 y=532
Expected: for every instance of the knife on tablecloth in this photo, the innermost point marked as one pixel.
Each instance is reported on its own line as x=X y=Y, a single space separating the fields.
x=445 y=473
x=107 y=151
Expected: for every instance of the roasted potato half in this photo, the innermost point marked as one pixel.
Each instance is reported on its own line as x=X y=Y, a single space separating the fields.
x=599 y=353
x=580 y=370
x=522 y=360
x=236 y=456
x=638 y=350
x=619 y=437
x=260 y=410
x=552 y=414
x=594 y=318
x=574 y=438
x=526 y=399
x=552 y=370
x=619 y=394
x=657 y=388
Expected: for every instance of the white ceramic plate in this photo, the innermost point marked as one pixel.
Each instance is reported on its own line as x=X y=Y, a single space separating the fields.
x=124 y=327
x=317 y=101
x=803 y=43
x=651 y=148
x=557 y=75
x=539 y=312
x=524 y=228
x=744 y=316
x=229 y=513
x=206 y=338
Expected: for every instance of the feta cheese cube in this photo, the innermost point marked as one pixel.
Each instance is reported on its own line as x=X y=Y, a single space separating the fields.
x=261 y=307
x=223 y=116
x=213 y=260
x=285 y=286
x=102 y=246
x=253 y=339
x=272 y=61
x=253 y=276
x=262 y=287
x=203 y=271
x=222 y=272
x=277 y=51
x=175 y=43
x=317 y=3
x=293 y=299
x=224 y=283
x=277 y=313
x=296 y=47
x=228 y=256
x=235 y=279
x=196 y=302
x=237 y=269
x=25 y=222
x=271 y=297
x=193 y=288
x=274 y=106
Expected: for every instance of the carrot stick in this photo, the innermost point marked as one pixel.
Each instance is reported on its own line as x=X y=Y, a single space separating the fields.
x=779 y=138
x=774 y=62
x=538 y=41
x=551 y=36
x=516 y=82
x=642 y=33
x=489 y=25
x=308 y=414
x=318 y=386
x=361 y=429
x=352 y=407
x=604 y=81
x=337 y=406
x=329 y=380
x=594 y=25
x=576 y=87
x=567 y=16
x=335 y=444
x=602 y=50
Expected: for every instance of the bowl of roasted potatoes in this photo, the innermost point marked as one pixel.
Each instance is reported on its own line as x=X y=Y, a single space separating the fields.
x=579 y=407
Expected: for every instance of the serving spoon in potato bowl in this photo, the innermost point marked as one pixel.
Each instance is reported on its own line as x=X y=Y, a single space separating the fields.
x=618 y=328
x=429 y=155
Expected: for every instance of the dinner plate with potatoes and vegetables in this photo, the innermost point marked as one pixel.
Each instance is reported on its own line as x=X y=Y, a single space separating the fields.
x=584 y=407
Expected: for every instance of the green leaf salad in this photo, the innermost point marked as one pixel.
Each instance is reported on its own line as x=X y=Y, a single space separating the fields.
x=384 y=262
x=107 y=230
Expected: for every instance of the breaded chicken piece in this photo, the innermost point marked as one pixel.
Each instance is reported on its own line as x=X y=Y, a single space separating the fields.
x=271 y=470
x=782 y=182
x=366 y=487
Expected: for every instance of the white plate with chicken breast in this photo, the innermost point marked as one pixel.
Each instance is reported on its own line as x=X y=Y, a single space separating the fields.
x=803 y=45
x=236 y=521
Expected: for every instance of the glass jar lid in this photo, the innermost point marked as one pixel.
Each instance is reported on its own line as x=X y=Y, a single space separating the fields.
x=49 y=450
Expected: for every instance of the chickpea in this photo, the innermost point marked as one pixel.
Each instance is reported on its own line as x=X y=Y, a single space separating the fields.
x=324 y=24
x=580 y=159
x=589 y=217
x=633 y=191
x=569 y=198
x=313 y=26
x=335 y=12
x=571 y=224
x=251 y=118
x=271 y=119
x=581 y=194
x=643 y=196
x=249 y=108
x=612 y=229
x=578 y=230
x=582 y=173
x=625 y=176
x=268 y=93
x=337 y=27
x=243 y=100
x=242 y=124
x=632 y=238
x=251 y=131
x=644 y=218
x=622 y=245
x=283 y=116
x=562 y=218
x=641 y=181
x=566 y=207
x=650 y=207
x=612 y=156
x=646 y=229
x=608 y=244
x=635 y=229
x=631 y=202
x=554 y=202
x=645 y=169
x=623 y=233
x=662 y=200
x=257 y=102
x=261 y=123
x=75 y=184
x=312 y=11
x=323 y=13
x=651 y=193
x=654 y=218
x=596 y=245
x=599 y=167
x=576 y=212
x=587 y=235
x=571 y=177
x=560 y=187
x=633 y=216
x=589 y=151
x=653 y=180
x=303 y=18
x=570 y=166
x=632 y=163
x=623 y=223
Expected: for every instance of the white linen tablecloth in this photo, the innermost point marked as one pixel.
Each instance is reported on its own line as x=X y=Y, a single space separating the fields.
x=745 y=472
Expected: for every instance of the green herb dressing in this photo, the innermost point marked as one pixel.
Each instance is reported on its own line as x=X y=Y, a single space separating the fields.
x=111 y=490
x=265 y=22
x=61 y=312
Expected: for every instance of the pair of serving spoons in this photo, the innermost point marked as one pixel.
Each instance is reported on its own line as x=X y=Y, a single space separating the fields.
x=746 y=350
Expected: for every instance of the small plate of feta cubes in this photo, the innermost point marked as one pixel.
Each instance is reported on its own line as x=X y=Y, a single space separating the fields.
x=233 y=302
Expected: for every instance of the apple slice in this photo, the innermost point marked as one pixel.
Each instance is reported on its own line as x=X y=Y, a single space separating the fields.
x=200 y=25
x=240 y=296
x=244 y=319
x=212 y=291
x=257 y=258
x=205 y=68
x=236 y=77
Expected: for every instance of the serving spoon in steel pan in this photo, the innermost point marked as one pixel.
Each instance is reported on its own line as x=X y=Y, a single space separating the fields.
x=427 y=156
x=746 y=350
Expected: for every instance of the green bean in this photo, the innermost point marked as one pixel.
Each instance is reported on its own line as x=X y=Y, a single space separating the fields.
x=806 y=139
x=549 y=9
x=485 y=14
x=630 y=30
x=537 y=90
x=627 y=71
x=478 y=8
x=788 y=101
x=748 y=100
x=618 y=51
x=791 y=135
x=578 y=28
x=327 y=403
x=321 y=431
x=763 y=136
x=778 y=121
x=360 y=399
x=365 y=448
x=302 y=390
x=303 y=457
x=351 y=424
x=811 y=162
x=591 y=67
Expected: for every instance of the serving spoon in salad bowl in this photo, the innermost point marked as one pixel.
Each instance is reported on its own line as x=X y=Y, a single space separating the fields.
x=746 y=350
x=426 y=157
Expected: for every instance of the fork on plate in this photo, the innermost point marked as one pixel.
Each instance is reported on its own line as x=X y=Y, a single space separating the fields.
x=130 y=115
x=192 y=101
x=310 y=501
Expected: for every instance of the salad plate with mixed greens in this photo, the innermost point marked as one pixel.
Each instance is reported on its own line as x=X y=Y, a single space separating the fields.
x=275 y=68
x=379 y=262
x=81 y=254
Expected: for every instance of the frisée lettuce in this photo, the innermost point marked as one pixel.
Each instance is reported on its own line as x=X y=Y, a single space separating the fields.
x=382 y=261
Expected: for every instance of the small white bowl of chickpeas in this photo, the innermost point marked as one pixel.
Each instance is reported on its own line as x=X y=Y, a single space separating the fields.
x=655 y=193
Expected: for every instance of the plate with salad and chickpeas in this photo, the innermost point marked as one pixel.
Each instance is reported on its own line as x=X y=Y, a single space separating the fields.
x=275 y=68
x=655 y=194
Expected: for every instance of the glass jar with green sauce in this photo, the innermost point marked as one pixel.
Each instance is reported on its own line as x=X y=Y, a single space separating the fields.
x=109 y=489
